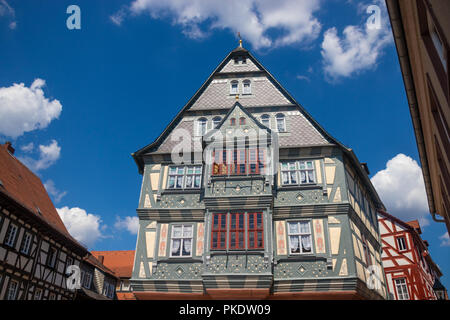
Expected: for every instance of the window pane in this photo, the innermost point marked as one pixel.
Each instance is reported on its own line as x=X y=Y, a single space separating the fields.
x=306 y=244
x=293 y=228
x=293 y=177
x=188 y=181
x=187 y=231
x=197 y=181
x=304 y=227
x=294 y=244
x=187 y=244
x=176 y=244
x=176 y=231
x=179 y=182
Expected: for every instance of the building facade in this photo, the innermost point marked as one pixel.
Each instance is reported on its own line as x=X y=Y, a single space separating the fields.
x=97 y=282
x=410 y=272
x=121 y=263
x=35 y=246
x=421 y=30
x=245 y=195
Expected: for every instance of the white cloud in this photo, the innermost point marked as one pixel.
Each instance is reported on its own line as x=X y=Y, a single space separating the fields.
x=292 y=21
x=7 y=11
x=24 y=109
x=302 y=77
x=445 y=240
x=48 y=155
x=359 y=49
x=402 y=189
x=129 y=223
x=53 y=191
x=28 y=147
x=83 y=226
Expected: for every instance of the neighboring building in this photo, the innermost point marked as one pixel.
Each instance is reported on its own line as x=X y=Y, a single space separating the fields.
x=421 y=31
x=35 y=246
x=121 y=262
x=97 y=281
x=440 y=290
x=226 y=227
x=410 y=271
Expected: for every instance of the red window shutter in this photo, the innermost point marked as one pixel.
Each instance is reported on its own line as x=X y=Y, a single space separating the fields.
x=219 y=231
x=255 y=230
x=237 y=231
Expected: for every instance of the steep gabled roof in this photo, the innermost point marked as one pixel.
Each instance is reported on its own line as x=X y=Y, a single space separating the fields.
x=121 y=262
x=21 y=185
x=239 y=51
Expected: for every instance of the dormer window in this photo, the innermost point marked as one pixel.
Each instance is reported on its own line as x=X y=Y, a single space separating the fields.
x=241 y=121
x=234 y=87
x=265 y=120
x=244 y=61
x=232 y=121
x=201 y=126
x=216 y=122
x=236 y=60
x=281 y=123
x=247 y=89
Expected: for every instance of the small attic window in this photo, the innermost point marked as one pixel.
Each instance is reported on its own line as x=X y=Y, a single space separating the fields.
x=234 y=87
x=232 y=121
x=236 y=60
x=242 y=121
x=216 y=122
x=244 y=60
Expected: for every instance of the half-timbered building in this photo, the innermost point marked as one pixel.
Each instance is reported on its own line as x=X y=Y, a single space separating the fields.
x=121 y=262
x=410 y=271
x=35 y=246
x=245 y=195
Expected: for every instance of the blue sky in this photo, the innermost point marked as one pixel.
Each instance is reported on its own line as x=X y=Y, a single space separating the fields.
x=112 y=86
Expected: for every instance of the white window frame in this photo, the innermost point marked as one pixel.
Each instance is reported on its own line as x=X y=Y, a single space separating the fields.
x=403 y=288
x=263 y=120
x=182 y=238
x=202 y=126
x=37 y=294
x=108 y=290
x=12 y=295
x=249 y=88
x=232 y=91
x=197 y=172
x=26 y=243
x=280 y=116
x=52 y=296
x=402 y=246
x=438 y=44
x=297 y=170
x=87 y=280
x=216 y=121
x=11 y=235
x=300 y=235
x=52 y=263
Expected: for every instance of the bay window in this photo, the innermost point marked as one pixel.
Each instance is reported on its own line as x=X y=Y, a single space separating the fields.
x=237 y=231
x=181 y=240
x=300 y=240
x=243 y=161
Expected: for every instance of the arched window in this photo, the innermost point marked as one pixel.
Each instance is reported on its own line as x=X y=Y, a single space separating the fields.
x=247 y=89
x=265 y=120
x=241 y=121
x=281 y=122
x=232 y=121
x=216 y=121
x=201 y=126
x=234 y=88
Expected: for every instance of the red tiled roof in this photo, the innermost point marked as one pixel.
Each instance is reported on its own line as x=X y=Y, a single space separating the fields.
x=121 y=262
x=25 y=188
x=125 y=296
x=93 y=260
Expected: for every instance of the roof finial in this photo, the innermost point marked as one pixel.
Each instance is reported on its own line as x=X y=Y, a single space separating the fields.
x=240 y=40
x=237 y=97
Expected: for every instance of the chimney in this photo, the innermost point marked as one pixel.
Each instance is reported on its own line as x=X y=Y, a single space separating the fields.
x=9 y=147
x=101 y=259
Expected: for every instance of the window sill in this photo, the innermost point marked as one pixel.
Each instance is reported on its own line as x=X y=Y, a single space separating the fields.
x=300 y=187
x=181 y=259
x=180 y=191
x=215 y=252
x=238 y=177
